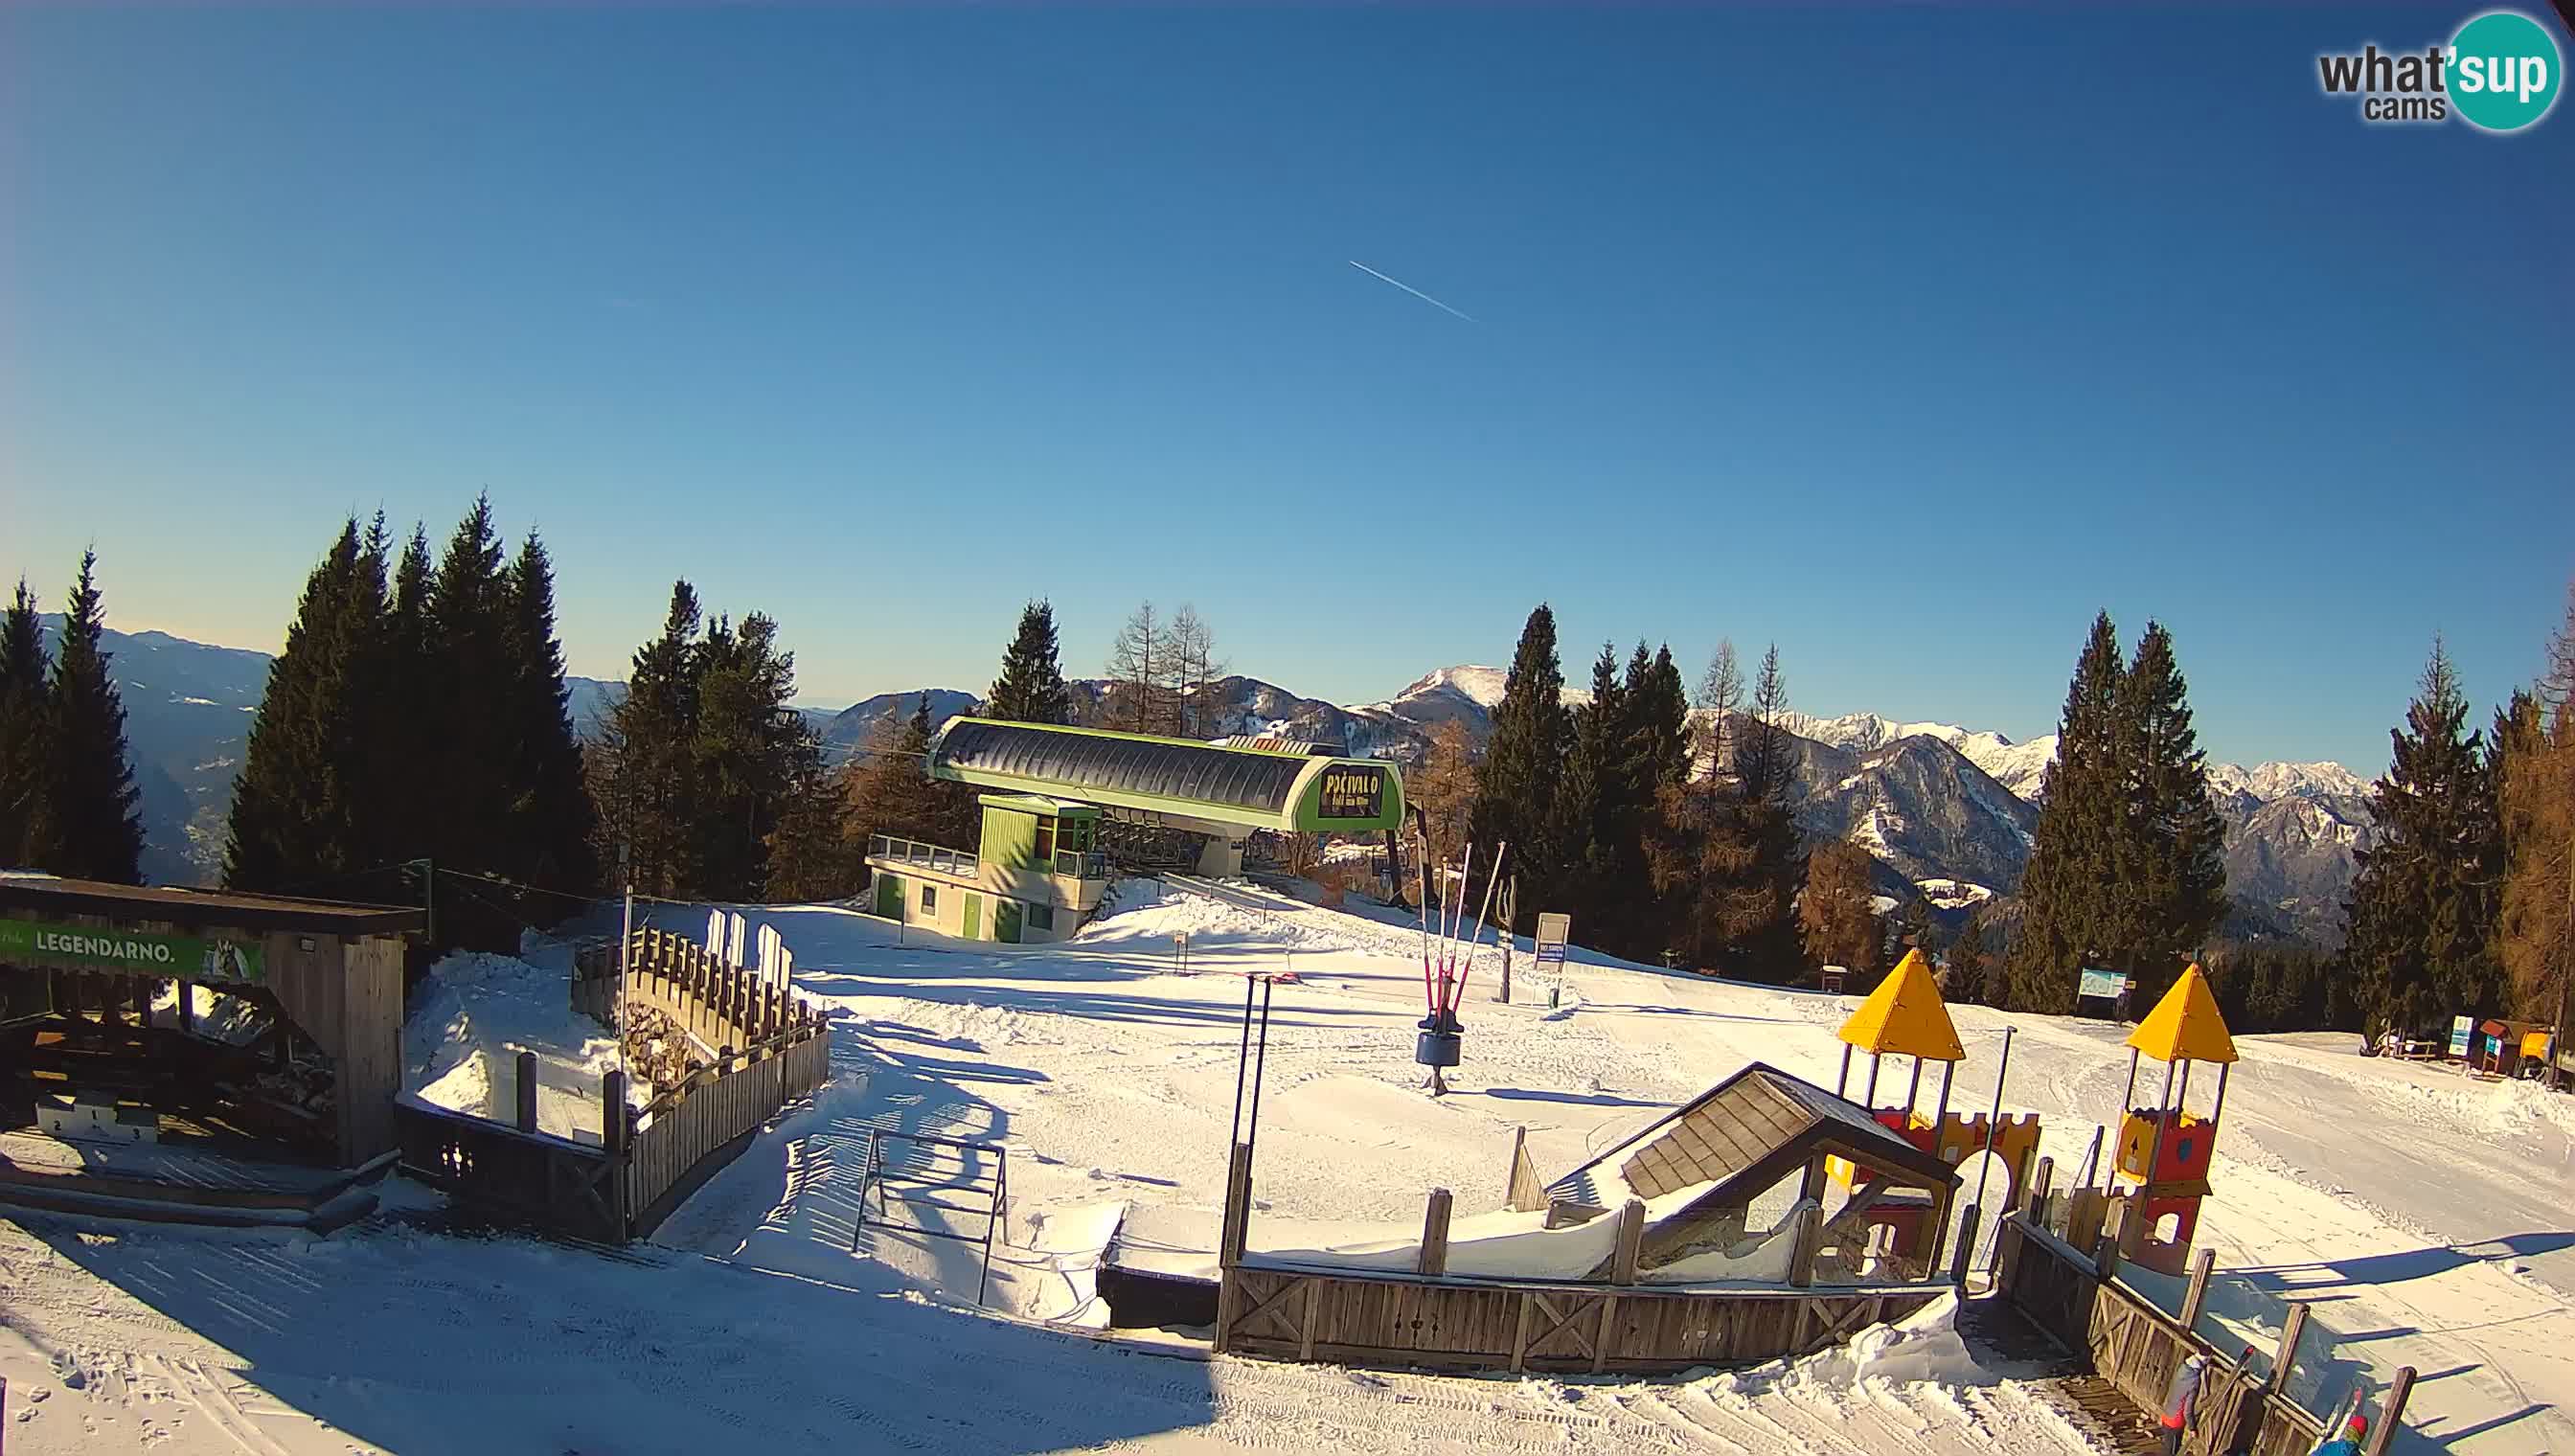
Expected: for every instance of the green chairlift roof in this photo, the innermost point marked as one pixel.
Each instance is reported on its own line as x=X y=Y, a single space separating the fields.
x=1236 y=787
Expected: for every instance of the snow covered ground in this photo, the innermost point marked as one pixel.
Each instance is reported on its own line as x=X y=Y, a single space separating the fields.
x=2423 y=1215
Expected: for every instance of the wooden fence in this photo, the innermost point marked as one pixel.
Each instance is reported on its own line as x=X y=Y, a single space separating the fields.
x=2079 y=1300
x=772 y=1046
x=1355 y=1318
x=720 y=1005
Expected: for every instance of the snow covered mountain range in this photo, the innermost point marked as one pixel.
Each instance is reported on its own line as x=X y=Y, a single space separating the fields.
x=1940 y=806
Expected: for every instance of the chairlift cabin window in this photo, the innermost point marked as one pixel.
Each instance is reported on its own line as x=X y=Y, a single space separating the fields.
x=1045 y=837
x=1041 y=917
x=929 y=899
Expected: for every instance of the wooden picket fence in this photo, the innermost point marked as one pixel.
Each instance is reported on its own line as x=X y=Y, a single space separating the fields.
x=2077 y=1297
x=772 y=1047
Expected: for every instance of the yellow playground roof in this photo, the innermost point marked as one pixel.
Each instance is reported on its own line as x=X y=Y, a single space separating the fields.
x=1905 y=1015
x=2186 y=1024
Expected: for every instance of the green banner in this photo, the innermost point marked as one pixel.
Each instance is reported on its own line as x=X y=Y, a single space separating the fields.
x=187 y=958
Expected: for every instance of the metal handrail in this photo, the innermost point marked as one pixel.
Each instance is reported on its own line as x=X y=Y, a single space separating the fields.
x=914 y=852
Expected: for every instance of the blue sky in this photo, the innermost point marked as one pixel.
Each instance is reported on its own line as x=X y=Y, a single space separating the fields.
x=1906 y=340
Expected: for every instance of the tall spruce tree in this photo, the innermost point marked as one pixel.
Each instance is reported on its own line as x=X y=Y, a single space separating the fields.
x=1759 y=897
x=748 y=747
x=1030 y=687
x=87 y=826
x=405 y=711
x=548 y=845
x=1590 y=812
x=300 y=809
x=1515 y=788
x=1656 y=758
x=2075 y=857
x=2421 y=913
x=646 y=786
x=2171 y=869
x=479 y=766
x=25 y=670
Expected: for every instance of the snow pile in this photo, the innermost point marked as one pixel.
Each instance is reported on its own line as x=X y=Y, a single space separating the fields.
x=1923 y=1346
x=473 y=1015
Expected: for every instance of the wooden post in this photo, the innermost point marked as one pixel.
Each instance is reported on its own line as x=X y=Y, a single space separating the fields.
x=1801 y=1253
x=2290 y=1332
x=2111 y=1243
x=2391 y=1407
x=1629 y=1250
x=186 y=1005
x=528 y=1092
x=1435 y=1235
x=2203 y=1264
x=2037 y=1190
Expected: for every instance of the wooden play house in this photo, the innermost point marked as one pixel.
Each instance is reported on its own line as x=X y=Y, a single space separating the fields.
x=1906 y=1016
x=2160 y=1173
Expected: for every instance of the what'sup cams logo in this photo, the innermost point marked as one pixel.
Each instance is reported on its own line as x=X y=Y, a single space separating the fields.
x=2500 y=73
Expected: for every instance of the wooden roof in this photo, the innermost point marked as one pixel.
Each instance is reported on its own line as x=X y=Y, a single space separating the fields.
x=194 y=908
x=1743 y=1136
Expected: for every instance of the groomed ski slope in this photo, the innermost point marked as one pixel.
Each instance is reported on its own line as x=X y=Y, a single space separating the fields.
x=2414 y=1207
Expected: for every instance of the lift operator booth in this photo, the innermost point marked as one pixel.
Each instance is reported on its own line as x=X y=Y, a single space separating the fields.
x=143 y=1028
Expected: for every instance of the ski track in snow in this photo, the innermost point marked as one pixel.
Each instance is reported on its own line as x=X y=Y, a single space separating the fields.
x=752 y=1324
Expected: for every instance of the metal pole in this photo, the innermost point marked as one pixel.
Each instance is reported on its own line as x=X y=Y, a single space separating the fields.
x=2128 y=1095
x=1913 y=1088
x=1869 y=1097
x=1994 y=1121
x=1841 y=1079
x=1241 y=1061
x=2220 y=1109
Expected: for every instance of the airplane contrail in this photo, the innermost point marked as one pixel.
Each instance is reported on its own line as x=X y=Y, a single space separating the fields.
x=1408 y=288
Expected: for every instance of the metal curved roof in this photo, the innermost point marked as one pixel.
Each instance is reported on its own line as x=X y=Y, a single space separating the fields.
x=1070 y=762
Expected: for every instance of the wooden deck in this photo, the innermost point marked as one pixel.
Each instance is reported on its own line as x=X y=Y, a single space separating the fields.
x=172 y=1182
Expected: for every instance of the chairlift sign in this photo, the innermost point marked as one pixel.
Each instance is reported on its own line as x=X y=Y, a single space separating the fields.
x=1351 y=791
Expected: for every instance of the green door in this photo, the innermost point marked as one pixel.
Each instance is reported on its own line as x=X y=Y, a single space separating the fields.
x=889 y=897
x=973 y=916
x=1006 y=921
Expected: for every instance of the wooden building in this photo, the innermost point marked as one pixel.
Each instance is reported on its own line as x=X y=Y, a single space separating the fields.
x=101 y=1019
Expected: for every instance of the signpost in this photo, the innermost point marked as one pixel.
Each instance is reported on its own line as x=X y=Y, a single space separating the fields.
x=2461 y=1028
x=1552 y=930
x=2108 y=987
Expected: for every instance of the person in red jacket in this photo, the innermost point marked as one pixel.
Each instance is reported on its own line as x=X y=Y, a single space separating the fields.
x=2354 y=1432
x=2181 y=1403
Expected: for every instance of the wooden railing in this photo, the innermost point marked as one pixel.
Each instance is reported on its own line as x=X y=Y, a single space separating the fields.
x=2077 y=1297
x=720 y=1005
x=771 y=1046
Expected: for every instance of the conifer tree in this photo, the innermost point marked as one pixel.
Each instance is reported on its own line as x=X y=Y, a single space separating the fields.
x=2422 y=909
x=477 y=763
x=549 y=841
x=25 y=670
x=2074 y=850
x=1030 y=687
x=2171 y=869
x=300 y=809
x=1721 y=847
x=1964 y=981
x=749 y=746
x=646 y=786
x=1588 y=811
x=1515 y=790
x=887 y=791
x=809 y=855
x=1837 y=917
x=405 y=711
x=87 y=826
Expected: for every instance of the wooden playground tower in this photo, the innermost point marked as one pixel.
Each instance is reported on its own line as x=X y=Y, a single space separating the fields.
x=1906 y=1016
x=2164 y=1152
